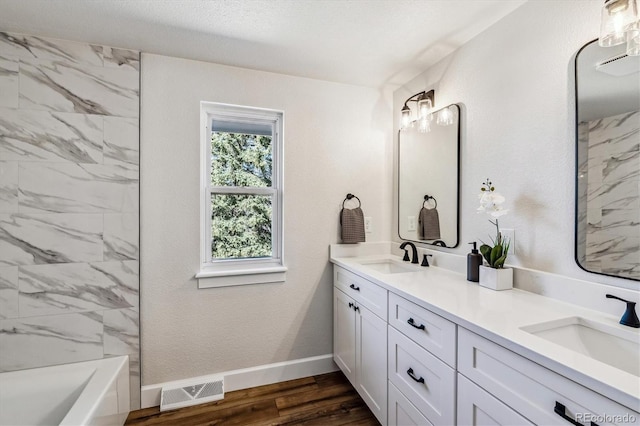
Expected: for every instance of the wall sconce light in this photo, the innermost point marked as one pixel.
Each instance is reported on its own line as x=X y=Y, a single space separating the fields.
x=425 y=101
x=620 y=23
x=445 y=117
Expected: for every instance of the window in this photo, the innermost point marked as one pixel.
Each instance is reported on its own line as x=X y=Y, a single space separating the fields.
x=241 y=196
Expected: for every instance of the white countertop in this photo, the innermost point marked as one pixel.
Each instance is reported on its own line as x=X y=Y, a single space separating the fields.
x=498 y=316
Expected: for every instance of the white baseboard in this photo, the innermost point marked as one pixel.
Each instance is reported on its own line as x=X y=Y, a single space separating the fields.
x=250 y=377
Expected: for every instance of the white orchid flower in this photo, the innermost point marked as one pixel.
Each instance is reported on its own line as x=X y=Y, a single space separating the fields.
x=498 y=212
x=490 y=202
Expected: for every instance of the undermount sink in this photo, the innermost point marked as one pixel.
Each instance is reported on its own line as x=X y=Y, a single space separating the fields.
x=388 y=266
x=614 y=346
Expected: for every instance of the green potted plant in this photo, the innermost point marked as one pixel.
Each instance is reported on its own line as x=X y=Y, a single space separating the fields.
x=494 y=275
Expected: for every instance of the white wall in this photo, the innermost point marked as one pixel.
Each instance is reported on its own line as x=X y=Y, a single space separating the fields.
x=337 y=140
x=516 y=87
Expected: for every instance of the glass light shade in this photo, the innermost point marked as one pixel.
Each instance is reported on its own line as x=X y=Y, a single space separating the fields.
x=424 y=107
x=425 y=125
x=617 y=17
x=633 y=40
x=405 y=120
x=445 y=117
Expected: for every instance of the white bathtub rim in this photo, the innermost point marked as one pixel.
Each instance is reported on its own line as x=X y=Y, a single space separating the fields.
x=24 y=388
x=106 y=373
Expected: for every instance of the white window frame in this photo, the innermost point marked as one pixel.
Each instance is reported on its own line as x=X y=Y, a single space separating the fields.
x=231 y=272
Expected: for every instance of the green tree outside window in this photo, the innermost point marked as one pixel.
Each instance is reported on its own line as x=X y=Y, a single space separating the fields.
x=241 y=224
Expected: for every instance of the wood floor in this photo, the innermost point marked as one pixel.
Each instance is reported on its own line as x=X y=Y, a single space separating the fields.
x=327 y=399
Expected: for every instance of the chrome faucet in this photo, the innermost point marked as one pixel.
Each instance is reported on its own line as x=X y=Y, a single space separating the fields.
x=414 y=252
x=629 y=318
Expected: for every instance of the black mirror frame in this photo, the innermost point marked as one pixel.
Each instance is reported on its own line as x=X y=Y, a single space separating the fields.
x=577 y=171
x=438 y=243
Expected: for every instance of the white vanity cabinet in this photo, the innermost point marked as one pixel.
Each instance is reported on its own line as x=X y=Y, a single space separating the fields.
x=415 y=367
x=534 y=392
x=422 y=358
x=360 y=337
x=344 y=334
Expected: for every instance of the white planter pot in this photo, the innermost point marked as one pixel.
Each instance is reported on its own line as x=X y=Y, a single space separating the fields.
x=496 y=279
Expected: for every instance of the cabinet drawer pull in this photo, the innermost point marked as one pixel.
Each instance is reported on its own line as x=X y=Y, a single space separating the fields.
x=356 y=308
x=350 y=305
x=413 y=324
x=413 y=376
x=353 y=286
x=560 y=409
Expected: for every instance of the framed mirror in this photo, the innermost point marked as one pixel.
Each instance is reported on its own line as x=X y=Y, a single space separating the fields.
x=608 y=161
x=428 y=180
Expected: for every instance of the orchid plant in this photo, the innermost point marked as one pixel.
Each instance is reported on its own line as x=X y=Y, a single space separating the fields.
x=491 y=203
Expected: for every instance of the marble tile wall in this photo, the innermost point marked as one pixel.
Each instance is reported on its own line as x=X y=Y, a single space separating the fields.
x=612 y=242
x=69 y=203
x=583 y=178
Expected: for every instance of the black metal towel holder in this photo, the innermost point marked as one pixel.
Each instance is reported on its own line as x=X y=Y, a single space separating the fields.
x=349 y=197
x=430 y=197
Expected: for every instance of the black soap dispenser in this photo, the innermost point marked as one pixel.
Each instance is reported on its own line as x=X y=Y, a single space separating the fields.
x=474 y=260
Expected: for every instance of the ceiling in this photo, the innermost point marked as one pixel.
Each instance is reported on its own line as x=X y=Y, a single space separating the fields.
x=363 y=42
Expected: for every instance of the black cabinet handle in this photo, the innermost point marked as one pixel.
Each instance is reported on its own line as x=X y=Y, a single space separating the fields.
x=353 y=286
x=560 y=410
x=413 y=324
x=356 y=308
x=413 y=376
x=350 y=305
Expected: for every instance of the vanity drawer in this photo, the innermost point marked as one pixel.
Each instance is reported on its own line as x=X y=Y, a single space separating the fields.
x=530 y=389
x=431 y=331
x=425 y=380
x=477 y=407
x=402 y=412
x=362 y=291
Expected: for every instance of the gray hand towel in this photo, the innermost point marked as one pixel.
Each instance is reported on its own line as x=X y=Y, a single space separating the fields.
x=352 y=225
x=428 y=224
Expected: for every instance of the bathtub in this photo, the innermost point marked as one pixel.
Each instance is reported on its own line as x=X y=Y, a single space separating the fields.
x=84 y=393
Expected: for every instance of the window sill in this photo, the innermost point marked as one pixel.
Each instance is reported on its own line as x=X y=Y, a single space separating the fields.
x=210 y=278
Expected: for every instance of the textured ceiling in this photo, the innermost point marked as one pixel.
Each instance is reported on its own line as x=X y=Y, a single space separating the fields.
x=365 y=42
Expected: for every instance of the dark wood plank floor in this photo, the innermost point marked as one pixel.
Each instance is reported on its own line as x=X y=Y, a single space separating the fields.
x=327 y=399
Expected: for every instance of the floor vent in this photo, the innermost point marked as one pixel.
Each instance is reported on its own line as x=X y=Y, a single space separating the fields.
x=172 y=398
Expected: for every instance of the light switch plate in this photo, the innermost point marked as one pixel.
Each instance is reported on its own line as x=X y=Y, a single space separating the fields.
x=510 y=234
x=368 y=224
x=411 y=223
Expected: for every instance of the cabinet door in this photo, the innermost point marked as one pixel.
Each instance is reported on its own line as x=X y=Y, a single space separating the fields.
x=362 y=290
x=344 y=334
x=478 y=408
x=402 y=412
x=371 y=361
x=427 y=382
